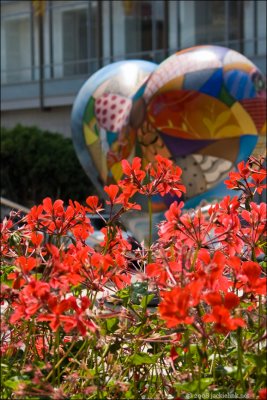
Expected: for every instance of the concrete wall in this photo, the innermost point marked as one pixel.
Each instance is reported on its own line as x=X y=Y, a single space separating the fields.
x=55 y=120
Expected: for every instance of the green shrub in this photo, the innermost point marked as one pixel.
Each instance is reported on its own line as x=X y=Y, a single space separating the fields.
x=36 y=164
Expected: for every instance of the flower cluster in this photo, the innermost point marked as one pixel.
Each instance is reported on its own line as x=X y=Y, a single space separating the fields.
x=160 y=178
x=78 y=321
x=249 y=177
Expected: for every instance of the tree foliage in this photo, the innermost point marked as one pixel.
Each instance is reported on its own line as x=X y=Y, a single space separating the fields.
x=36 y=164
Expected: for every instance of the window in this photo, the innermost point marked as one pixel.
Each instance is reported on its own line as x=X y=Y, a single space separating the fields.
x=261 y=27
x=235 y=25
x=160 y=31
x=210 y=21
x=75 y=42
x=16 y=42
x=249 y=18
x=138 y=28
x=143 y=24
x=17 y=45
x=75 y=38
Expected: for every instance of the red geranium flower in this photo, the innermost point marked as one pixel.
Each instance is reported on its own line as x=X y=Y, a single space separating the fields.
x=263 y=394
x=222 y=319
x=175 y=307
x=93 y=205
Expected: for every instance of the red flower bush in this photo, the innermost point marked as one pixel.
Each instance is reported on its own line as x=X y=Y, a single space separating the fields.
x=77 y=321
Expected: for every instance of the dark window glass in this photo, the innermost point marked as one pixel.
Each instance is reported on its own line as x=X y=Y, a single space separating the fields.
x=235 y=19
x=75 y=43
x=138 y=28
x=144 y=27
x=210 y=21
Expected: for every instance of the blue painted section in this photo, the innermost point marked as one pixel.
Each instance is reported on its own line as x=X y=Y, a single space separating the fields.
x=111 y=137
x=194 y=80
x=214 y=85
x=239 y=84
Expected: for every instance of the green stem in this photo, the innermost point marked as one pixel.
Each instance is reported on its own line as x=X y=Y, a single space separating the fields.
x=199 y=379
x=188 y=355
x=56 y=368
x=217 y=346
x=134 y=311
x=74 y=357
x=150 y=228
x=202 y=362
x=27 y=344
x=145 y=308
x=93 y=298
x=213 y=365
x=194 y=259
x=240 y=358
x=260 y=319
x=61 y=360
x=98 y=376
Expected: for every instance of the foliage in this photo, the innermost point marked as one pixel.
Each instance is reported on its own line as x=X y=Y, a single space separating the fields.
x=79 y=323
x=36 y=164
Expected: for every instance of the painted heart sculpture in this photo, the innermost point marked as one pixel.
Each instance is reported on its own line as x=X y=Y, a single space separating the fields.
x=204 y=107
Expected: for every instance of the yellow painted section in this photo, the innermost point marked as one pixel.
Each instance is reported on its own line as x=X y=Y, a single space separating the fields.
x=243 y=119
x=174 y=84
x=89 y=135
x=263 y=129
x=116 y=171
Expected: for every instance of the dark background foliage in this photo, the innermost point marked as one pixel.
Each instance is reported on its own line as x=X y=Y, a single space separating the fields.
x=36 y=164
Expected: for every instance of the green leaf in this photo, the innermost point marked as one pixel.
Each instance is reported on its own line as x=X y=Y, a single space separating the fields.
x=123 y=294
x=112 y=324
x=14 y=239
x=6 y=270
x=259 y=360
x=13 y=384
x=128 y=394
x=92 y=371
x=197 y=386
x=146 y=300
x=143 y=358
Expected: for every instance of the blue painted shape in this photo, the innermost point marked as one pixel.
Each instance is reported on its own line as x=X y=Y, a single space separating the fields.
x=111 y=137
x=139 y=92
x=214 y=85
x=196 y=79
x=246 y=147
x=239 y=84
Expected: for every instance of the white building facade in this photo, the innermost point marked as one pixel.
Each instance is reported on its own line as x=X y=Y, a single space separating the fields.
x=46 y=59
